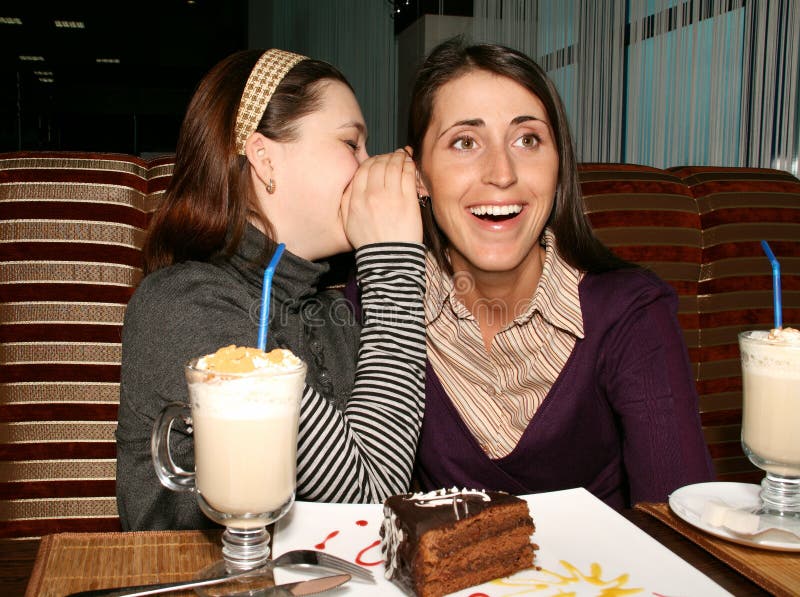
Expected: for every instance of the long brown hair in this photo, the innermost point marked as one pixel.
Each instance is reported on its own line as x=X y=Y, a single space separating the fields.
x=210 y=195
x=453 y=58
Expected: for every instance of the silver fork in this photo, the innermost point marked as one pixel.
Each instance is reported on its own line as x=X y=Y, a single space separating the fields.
x=297 y=557
x=309 y=557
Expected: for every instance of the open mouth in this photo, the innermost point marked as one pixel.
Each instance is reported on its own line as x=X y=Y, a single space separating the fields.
x=495 y=213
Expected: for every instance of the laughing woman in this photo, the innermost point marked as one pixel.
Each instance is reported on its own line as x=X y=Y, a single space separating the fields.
x=552 y=363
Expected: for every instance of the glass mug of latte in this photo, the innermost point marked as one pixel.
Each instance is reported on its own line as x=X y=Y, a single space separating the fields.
x=771 y=415
x=244 y=406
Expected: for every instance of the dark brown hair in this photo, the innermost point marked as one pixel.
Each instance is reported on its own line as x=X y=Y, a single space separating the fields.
x=210 y=196
x=453 y=58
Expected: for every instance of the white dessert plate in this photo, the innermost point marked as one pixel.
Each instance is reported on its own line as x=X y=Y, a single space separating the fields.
x=688 y=503
x=586 y=549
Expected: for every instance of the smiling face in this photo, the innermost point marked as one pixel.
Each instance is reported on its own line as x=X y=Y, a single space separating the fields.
x=490 y=164
x=312 y=173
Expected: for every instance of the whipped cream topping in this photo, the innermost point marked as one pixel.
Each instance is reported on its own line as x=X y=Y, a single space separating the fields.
x=246 y=383
x=241 y=359
x=784 y=336
x=775 y=354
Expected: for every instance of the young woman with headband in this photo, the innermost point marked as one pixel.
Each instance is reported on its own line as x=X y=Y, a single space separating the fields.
x=272 y=151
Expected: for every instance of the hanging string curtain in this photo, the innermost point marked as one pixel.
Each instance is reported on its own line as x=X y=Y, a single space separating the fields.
x=600 y=62
x=672 y=82
x=526 y=25
x=771 y=132
x=357 y=36
x=581 y=46
x=684 y=82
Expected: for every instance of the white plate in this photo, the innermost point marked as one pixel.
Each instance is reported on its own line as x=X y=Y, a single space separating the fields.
x=687 y=503
x=586 y=549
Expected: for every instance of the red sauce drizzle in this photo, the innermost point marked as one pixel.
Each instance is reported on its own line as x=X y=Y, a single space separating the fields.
x=330 y=536
x=362 y=523
x=478 y=595
x=360 y=559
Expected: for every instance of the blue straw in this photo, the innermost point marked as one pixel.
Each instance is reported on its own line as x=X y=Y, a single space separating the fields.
x=266 y=290
x=776 y=284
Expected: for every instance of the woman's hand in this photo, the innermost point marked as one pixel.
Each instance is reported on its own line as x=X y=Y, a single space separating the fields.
x=380 y=205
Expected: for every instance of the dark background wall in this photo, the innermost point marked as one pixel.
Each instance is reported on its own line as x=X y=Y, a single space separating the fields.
x=164 y=47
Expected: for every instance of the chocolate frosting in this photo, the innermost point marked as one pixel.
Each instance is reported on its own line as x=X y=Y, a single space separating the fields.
x=408 y=516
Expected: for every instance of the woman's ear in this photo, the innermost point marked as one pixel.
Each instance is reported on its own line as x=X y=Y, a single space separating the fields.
x=257 y=150
x=422 y=188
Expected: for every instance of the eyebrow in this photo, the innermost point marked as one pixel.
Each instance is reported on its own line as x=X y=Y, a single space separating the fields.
x=480 y=122
x=356 y=125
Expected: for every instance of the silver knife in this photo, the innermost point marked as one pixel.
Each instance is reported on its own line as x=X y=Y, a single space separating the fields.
x=313 y=586
x=303 y=587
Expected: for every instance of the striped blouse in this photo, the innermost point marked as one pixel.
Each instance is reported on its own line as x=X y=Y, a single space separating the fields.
x=361 y=452
x=343 y=456
x=497 y=392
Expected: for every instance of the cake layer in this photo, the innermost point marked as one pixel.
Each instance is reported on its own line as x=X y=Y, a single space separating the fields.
x=439 y=542
x=470 y=553
x=505 y=520
x=450 y=580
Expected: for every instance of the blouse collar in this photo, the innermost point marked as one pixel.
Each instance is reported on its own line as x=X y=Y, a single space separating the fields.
x=556 y=298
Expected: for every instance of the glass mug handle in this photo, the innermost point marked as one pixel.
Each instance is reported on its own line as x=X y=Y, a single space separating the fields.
x=170 y=474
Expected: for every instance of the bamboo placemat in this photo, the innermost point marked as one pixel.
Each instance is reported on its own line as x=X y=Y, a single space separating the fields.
x=776 y=571
x=70 y=562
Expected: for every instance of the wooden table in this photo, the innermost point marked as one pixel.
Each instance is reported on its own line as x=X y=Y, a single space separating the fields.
x=17 y=558
x=16 y=562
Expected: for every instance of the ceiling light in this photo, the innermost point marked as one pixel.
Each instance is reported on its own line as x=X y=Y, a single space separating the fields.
x=70 y=24
x=32 y=58
x=43 y=73
x=46 y=79
x=107 y=60
x=10 y=21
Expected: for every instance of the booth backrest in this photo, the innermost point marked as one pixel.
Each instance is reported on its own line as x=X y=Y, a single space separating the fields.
x=72 y=227
x=71 y=232
x=700 y=229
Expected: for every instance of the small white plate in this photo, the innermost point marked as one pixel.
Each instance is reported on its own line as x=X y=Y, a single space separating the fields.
x=687 y=503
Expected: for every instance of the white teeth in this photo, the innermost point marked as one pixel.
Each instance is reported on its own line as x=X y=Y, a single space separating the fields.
x=495 y=210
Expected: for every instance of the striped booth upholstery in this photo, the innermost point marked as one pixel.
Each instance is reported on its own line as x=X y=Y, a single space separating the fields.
x=700 y=230
x=739 y=207
x=71 y=230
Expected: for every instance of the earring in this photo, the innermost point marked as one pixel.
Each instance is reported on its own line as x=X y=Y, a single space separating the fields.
x=423 y=199
x=270 y=186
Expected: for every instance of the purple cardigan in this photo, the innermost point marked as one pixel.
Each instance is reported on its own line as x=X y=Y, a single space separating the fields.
x=621 y=420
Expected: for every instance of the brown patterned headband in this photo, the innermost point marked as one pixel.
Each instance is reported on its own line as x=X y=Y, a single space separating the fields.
x=265 y=77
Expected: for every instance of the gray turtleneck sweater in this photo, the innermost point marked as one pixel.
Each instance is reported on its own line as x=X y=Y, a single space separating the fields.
x=363 y=402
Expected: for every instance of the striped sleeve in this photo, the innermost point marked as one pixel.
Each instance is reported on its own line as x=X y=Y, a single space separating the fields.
x=366 y=452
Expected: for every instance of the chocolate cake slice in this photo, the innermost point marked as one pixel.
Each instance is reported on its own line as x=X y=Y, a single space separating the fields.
x=446 y=540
